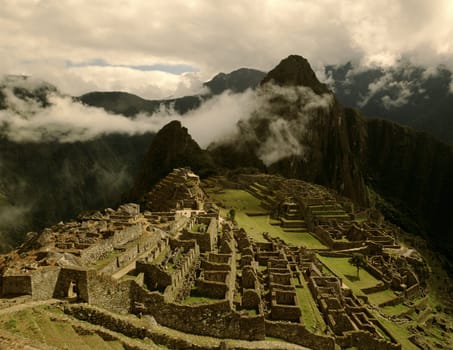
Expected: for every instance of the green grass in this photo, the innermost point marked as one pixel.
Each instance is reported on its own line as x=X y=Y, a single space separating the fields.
x=400 y=333
x=238 y=199
x=311 y=317
x=395 y=310
x=347 y=272
x=244 y=202
x=381 y=297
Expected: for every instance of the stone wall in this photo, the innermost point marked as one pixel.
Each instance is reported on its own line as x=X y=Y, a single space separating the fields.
x=365 y=340
x=97 y=251
x=377 y=288
x=211 y=289
x=212 y=266
x=109 y=293
x=131 y=328
x=44 y=282
x=213 y=319
x=155 y=277
x=298 y=334
x=68 y=276
x=206 y=240
x=16 y=285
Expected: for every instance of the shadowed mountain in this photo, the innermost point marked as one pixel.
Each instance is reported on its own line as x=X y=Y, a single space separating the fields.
x=412 y=95
x=295 y=71
x=236 y=81
x=172 y=147
x=130 y=105
x=42 y=183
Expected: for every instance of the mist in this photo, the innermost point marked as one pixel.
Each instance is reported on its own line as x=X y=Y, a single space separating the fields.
x=286 y=110
x=65 y=120
x=287 y=113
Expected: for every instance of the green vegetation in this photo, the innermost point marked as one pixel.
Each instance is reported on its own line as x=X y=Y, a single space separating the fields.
x=400 y=333
x=347 y=272
x=311 y=317
x=243 y=202
x=358 y=261
x=381 y=297
x=395 y=310
x=10 y=324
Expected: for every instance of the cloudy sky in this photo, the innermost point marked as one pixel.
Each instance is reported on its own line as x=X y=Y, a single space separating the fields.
x=166 y=48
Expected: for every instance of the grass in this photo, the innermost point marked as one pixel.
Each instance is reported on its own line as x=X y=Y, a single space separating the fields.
x=395 y=310
x=311 y=317
x=244 y=202
x=381 y=297
x=400 y=333
x=347 y=272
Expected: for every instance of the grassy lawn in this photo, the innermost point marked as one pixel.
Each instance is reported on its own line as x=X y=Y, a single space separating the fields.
x=238 y=199
x=343 y=269
x=381 y=297
x=244 y=202
x=395 y=310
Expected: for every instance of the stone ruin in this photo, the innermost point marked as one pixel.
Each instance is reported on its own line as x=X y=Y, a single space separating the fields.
x=190 y=269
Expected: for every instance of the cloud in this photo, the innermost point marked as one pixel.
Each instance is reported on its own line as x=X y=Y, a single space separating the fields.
x=67 y=121
x=169 y=68
x=402 y=97
x=38 y=37
x=279 y=123
x=286 y=110
x=401 y=91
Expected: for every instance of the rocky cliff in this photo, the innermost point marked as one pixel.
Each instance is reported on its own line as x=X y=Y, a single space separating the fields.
x=172 y=147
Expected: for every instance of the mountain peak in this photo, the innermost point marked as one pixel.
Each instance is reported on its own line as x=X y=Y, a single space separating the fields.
x=171 y=148
x=295 y=71
x=236 y=81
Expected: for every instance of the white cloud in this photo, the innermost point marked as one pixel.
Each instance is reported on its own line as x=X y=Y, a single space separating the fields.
x=287 y=132
x=68 y=121
x=38 y=37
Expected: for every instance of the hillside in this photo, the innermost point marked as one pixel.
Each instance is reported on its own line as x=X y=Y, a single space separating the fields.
x=408 y=94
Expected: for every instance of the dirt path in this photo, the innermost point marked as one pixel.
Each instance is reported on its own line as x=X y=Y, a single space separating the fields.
x=28 y=305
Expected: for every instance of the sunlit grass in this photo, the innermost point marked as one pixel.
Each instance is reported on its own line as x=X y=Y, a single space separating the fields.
x=244 y=202
x=347 y=272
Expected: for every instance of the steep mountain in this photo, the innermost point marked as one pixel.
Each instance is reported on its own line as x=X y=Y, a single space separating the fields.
x=295 y=71
x=303 y=132
x=299 y=131
x=412 y=95
x=130 y=105
x=236 y=81
x=42 y=183
x=172 y=147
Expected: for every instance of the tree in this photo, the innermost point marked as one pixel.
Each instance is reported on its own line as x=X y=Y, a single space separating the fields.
x=358 y=260
x=232 y=214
